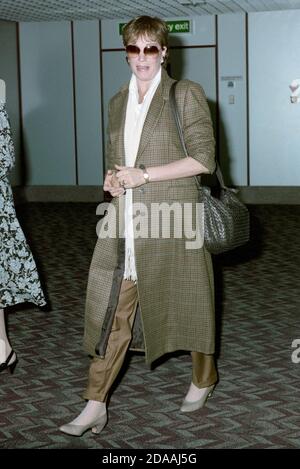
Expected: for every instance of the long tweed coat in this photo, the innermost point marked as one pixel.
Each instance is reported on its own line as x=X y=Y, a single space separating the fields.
x=175 y=284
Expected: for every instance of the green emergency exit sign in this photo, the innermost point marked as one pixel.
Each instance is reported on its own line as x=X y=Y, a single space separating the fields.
x=179 y=26
x=175 y=27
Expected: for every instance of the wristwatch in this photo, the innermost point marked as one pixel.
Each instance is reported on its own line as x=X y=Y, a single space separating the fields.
x=145 y=173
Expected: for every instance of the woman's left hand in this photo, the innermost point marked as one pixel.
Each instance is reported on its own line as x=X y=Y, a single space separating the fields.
x=129 y=177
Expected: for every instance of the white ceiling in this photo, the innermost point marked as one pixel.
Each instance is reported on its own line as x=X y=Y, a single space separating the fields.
x=51 y=10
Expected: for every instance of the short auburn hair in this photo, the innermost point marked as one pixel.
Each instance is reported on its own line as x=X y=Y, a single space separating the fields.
x=152 y=28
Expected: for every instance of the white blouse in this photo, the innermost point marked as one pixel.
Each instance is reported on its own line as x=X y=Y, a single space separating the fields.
x=135 y=117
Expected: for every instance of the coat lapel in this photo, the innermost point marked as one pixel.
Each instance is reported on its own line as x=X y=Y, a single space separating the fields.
x=156 y=107
x=151 y=120
x=154 y=112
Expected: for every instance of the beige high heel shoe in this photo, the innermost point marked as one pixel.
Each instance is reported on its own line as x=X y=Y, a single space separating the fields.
x=191 y=406
x=96 y=426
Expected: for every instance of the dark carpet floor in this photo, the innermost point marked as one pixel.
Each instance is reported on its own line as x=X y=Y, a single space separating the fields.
x=256 y=403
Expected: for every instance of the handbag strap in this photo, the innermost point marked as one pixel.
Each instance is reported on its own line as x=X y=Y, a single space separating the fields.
x=176 y=116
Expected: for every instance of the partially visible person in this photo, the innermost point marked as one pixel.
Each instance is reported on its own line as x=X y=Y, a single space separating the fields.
x=19 y=280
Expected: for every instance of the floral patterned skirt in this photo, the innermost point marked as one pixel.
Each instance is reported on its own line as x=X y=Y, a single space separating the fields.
x=19 y=280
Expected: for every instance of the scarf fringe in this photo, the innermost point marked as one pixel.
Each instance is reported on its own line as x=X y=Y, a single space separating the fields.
x=130 y=272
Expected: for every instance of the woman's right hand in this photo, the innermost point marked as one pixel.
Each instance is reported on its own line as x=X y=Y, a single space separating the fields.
x=112 y=185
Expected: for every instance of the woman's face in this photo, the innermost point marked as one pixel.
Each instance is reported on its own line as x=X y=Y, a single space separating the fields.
x=145 y=65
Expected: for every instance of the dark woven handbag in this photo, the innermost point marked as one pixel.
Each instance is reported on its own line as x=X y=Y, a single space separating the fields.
x=226 y=218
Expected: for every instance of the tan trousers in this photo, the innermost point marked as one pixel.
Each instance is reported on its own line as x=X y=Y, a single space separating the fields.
x=103 y=372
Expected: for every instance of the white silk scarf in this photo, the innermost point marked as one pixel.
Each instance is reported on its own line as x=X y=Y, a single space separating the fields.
x=135 y=117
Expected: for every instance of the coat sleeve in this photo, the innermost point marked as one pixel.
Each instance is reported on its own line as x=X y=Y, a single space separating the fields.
x=197 y=126
x=7 y=154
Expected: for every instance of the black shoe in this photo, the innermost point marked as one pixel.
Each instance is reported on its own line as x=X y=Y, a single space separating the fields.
x=11 y=365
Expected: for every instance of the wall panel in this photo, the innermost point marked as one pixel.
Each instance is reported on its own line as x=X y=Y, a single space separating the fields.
x=232 y=77
x=274 y=44
x=47 y=103
x=88 y=102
